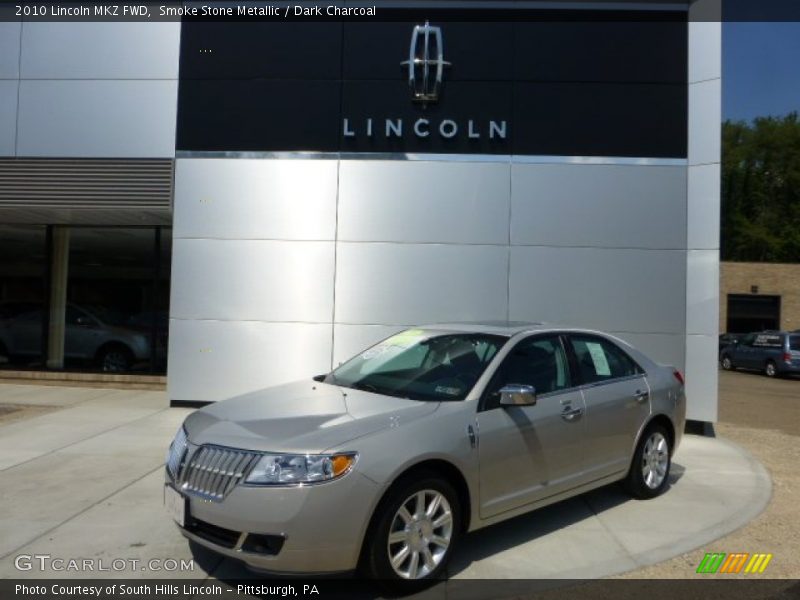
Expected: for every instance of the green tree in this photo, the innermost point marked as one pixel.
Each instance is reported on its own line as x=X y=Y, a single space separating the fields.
x=761 y=190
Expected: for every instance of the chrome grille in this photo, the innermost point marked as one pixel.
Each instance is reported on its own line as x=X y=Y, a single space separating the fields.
x=176 y=452
x=212 y=472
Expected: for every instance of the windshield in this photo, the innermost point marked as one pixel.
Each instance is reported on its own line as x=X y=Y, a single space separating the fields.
x=420 y=365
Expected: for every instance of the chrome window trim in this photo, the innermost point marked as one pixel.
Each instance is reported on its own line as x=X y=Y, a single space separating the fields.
x=595 y=384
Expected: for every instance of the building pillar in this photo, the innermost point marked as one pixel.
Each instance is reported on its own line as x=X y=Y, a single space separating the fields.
x=59 y=270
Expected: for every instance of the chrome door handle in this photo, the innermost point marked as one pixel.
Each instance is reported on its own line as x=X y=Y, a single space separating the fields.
x=641 y=396
x=571 y=415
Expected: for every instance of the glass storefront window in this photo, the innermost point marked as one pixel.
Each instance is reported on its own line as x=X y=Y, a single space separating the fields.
x=115 y=300
x=88 y=299
x=23 y=285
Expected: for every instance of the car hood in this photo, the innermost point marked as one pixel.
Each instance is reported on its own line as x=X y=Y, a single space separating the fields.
x=304 y=416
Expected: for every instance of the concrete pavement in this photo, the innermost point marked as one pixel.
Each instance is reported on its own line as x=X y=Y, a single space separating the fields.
x=85 y=481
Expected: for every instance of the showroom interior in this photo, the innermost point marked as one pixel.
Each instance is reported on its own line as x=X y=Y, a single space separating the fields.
x=204 y=201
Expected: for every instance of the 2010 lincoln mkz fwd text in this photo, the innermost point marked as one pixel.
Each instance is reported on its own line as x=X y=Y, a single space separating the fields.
x=386 y=462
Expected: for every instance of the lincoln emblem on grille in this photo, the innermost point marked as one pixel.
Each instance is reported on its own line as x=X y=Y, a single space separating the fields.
x=425 y=63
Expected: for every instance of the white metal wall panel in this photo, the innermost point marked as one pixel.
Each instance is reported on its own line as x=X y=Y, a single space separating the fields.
x=252 y=280
x=705 y=122
x=255 y=199
x=702 y=284
x=417 y=283
x=702 y=377
x=97 y=118
x=100 y=50
x=418 y=201
x=704 y=207
x=705 y=45
x=8 y=115
x=214 y=360
x=640 y=291
x=702 y=292
x=604 y=206
x=9 y=48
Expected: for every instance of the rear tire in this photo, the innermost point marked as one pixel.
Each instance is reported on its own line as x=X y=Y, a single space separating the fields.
x=649 y=473
x=770 y=370
x=417 y=528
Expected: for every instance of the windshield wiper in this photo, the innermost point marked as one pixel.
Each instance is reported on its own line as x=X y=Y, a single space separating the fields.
x=367 y=387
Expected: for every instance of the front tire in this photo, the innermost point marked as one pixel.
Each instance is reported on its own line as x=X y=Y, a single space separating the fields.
x=649 y=472
x=418 y=527
x=727 y=365
x=115 y=358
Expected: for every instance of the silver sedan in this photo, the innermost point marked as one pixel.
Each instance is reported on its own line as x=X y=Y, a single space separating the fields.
x=385 y=463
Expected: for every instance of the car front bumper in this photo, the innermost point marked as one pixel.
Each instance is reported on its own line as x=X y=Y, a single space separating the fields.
x=293 y=530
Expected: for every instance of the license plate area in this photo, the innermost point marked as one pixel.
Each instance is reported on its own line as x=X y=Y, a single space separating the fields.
x=176 y=505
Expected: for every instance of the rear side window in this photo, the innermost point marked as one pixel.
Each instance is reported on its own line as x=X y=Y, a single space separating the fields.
x=794 y=343
x=600 y=360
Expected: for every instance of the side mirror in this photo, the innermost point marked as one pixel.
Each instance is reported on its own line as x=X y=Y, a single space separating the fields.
x=515 y=394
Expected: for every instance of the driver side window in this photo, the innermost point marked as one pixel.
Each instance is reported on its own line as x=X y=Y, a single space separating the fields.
x=540 y=362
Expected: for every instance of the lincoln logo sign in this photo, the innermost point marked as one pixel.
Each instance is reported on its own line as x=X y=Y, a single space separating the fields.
x=426 y=63
x=425 y=72
x=422 y=128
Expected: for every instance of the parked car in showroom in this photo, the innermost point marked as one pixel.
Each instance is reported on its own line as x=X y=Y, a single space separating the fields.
x=774 y=353
x=387 y=461
x=91 y=334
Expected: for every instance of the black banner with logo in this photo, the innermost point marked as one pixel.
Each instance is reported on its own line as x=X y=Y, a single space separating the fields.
x=575 y=88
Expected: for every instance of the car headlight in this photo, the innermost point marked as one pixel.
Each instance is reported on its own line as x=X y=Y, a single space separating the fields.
x=282 y=469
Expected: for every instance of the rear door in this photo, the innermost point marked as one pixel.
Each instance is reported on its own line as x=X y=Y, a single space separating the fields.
x=617 y=398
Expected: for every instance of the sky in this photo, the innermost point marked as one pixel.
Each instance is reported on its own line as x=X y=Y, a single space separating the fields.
x=760 y=69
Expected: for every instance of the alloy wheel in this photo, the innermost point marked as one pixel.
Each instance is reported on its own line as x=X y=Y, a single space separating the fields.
x=115 y=362
x=655 y=460
x=420 y=534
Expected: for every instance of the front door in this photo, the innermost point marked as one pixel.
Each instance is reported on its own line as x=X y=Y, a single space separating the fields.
x=528 y=453
x=743 y=352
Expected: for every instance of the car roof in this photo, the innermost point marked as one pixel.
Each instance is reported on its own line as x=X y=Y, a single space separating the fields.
x=508 y=328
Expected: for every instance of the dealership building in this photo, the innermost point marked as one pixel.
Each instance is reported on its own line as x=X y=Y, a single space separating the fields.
x=244 y=203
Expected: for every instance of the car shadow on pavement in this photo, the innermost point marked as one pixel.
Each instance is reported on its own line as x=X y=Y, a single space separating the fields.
x=475 y=546
x=519 y=530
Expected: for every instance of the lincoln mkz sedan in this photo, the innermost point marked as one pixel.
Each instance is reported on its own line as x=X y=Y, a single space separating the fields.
x=385 y=463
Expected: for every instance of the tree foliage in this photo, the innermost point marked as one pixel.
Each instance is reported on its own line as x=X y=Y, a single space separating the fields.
x=761 y=190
